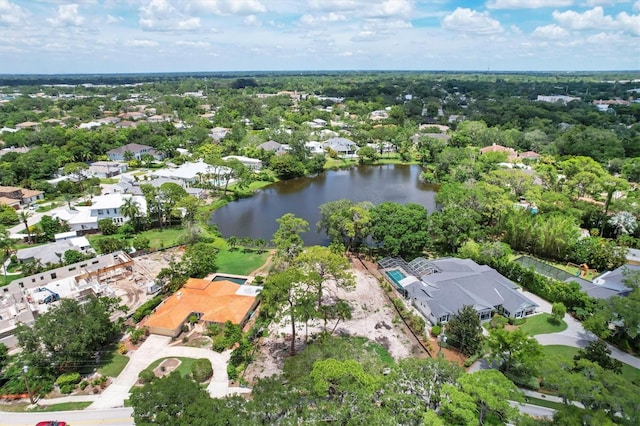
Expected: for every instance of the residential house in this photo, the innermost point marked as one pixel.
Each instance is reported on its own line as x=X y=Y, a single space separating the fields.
x=193 y=172
x=609 y=284
x=134 y=115
x=27 y=125
x=218 y=133
x=274 y=146
x=499 y=148
x=129 y=185
x=106 y=169
x=53 y=252
x=126 y=124
x=529 y=155
x=344 y=147
x=108 y=206
x=315 y=148
x=209 y=301
x=440 y=288
x=250 y=163
x=24 y=197
x=557 y=99
x=136 y=149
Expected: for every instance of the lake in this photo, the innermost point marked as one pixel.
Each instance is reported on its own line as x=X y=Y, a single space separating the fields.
x=256 y=216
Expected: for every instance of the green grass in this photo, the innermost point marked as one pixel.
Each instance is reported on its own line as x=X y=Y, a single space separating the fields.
x=540 y=324
x=115 y=365
x=541 y=402
x=184 y=368
x=567 y=353
x=65 y=406
x=158 y=238
x=109 y=180
x=239 y=262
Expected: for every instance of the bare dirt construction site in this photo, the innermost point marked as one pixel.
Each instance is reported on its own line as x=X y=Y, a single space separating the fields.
x=373 y=317
x=132 y=288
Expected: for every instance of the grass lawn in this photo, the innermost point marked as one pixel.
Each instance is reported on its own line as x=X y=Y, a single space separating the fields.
x=238 y=262
x=115 y=365
x=65 y=406
x=568 y=352
x=158 y=238
x=184 y=368
x=540 y=324
x=543 y=403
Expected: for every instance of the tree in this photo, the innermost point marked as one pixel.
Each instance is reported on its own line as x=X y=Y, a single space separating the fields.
x=345 y=222
x=477 y=394
x=50 y=227
x=367 y=155
x=401 y=230
x=72 y=256
x=287 y=166
x=287 y=238
x=598 y=352
x=110 y=245
x=62 y=339
x=322 y=265
x=558 y=311
x=189 y=206
x=284 y=294
x=140 y=242
x=199 y=260
x=464 y=331
x=107 y=227
x=176 y=399
x=516 y=353
x=25 y=215
x=8 y=215
x=131 y=209
x=624 y=223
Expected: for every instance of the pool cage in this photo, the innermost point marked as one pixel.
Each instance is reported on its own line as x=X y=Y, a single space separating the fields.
x=418 y=267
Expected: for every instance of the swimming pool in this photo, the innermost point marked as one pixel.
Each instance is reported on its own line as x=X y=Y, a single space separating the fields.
x=240 y=281
x=396 y=276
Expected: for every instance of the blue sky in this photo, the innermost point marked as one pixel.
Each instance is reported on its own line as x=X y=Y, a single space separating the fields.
x=104 y=36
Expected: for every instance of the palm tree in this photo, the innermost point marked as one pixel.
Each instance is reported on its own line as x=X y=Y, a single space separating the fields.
x=131 y=210
x=24 y=216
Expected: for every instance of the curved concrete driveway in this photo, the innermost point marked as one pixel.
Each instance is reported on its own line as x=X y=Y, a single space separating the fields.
x=575 y=335
x=156 y=347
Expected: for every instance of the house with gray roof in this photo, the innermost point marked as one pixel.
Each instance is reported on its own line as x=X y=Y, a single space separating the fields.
x=342 y=146
x=440 y=288
x=136 y=150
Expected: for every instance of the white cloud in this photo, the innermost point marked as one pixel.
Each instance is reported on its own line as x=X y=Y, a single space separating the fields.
x=141 y=43
x=636 y=6
x=321 y=19
x=527 y=4
x=113 y=19
x=365 y=8
x=12 y=14
x=229 y=7
x=471 y=21
x=591 y=3
x=161 y=15
x=551 y=31
x=68 y=16
x=252 y=21
x=595 y=19
x=197 y=44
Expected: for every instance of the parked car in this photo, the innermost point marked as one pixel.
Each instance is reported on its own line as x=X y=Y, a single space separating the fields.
x=51 y=423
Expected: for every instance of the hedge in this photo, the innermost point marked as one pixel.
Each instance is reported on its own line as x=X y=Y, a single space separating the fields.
x=68 y=379
x=146 y=308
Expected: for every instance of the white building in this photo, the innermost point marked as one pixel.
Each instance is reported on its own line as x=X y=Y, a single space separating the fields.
x=107 y=206
x=251 y=163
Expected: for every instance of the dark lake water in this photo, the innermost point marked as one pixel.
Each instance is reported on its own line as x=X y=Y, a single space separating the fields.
x=255 y=217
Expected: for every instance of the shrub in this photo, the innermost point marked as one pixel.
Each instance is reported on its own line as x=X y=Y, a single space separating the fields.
x=436 y=330
x=146 y=376
x=84 y=384
x=232 y=372
x=498 y=321
x=146 y=308
x=67 y=389
x=201 y=370
x=517 y=321
x=122 y=348
x=68 y=379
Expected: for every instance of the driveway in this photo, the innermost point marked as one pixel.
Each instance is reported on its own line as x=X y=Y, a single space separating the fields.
x=156 y=347
x=575 y=335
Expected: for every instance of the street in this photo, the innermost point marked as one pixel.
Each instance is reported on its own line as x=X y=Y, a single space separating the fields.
x=112 y=416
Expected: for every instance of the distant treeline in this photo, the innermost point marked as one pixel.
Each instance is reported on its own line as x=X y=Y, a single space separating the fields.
x=132 y=78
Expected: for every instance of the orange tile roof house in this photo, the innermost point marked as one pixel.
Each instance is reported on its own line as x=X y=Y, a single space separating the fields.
x=211 y=301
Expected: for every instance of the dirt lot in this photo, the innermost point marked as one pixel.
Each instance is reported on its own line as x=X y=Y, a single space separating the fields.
x=132 y=288
x=372 y=317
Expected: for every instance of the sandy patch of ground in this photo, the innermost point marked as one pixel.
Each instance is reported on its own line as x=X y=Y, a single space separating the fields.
x=373 y=317
x=166 y=367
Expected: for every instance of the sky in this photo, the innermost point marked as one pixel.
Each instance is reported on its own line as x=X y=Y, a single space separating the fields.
x=124 y=36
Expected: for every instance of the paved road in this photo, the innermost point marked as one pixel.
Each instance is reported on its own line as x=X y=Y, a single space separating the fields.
x=111 y=417
x=534 y=410
x=156 y=347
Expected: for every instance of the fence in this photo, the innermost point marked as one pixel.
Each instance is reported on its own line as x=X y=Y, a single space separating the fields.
x=544 y=268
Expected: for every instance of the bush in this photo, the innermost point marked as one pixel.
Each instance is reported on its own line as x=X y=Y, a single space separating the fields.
x=146 y=376
x=517 y=321
x=67 y=389
x=498 y=321
x=201 y=370
x=146 y=309
x=436 y=330
x=232 y=372
x=84 y=384
x=473 y=358
x=68 y=379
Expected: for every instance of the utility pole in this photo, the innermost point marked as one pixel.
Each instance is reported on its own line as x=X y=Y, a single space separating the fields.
x=25 y=369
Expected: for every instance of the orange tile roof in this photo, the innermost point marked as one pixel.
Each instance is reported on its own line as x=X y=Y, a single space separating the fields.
x=217 y=301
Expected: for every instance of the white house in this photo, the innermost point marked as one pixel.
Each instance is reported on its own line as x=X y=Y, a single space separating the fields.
x=251 y=163
x=108 y=206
